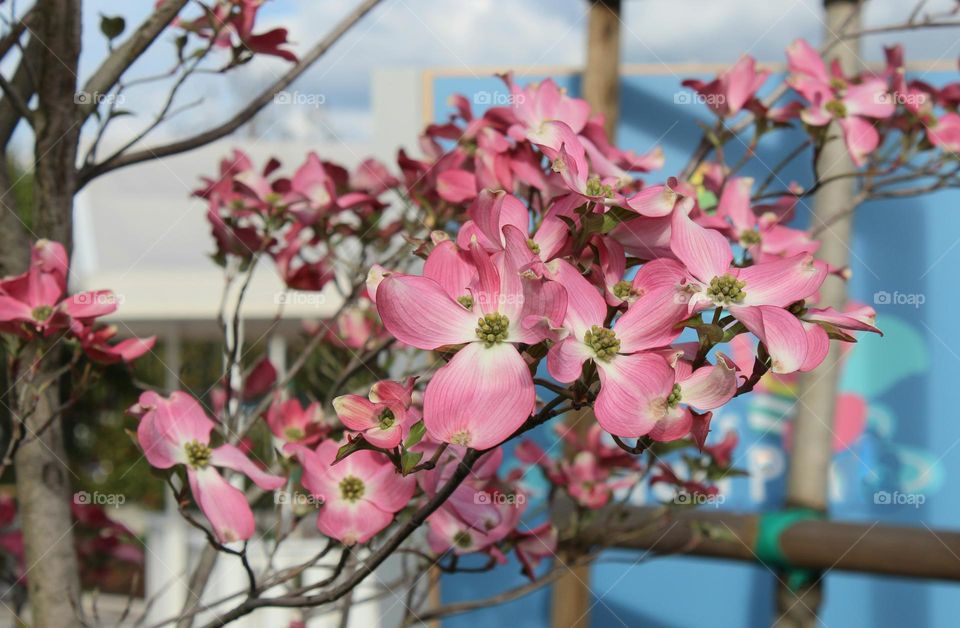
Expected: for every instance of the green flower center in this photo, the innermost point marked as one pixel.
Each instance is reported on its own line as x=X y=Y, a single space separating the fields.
x=462 y=539
x=623 y=290
x=726 y=289
x=293 y=433
x=750 y=237
x=836 y=108
x=492 y=328
x=596 y=188
x=387 y=419
x=351 y=488
x=461 y=438
x=837 y=84
x=198 y=454
x=41 y=312
x=466 y=301
x=674 y=397
x=533 y=246
x=603 y=341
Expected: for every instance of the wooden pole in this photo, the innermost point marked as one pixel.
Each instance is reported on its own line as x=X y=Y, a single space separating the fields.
x=570 y=601
x=900 y=551
x=810 y=459
x=601 y=77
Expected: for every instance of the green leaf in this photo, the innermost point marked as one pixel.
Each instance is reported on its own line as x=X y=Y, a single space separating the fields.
x=417 y=430
x=112 y=27
x=409 y=460
x=358 y=444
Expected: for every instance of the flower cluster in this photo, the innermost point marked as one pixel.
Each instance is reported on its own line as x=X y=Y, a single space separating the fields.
x=555 y=273
x=597 y=270
x=230 y=23
x=35 y=305
x=298 y=220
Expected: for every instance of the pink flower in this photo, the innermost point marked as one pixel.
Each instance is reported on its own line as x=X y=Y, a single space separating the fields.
x=621 y=353
x=534 y=545
x=291 y=422
x=832 y=97
x=486 y=391
x=661 y=406
x=763 y=236
x=534 y=106
x=733 y=89
x=756 y=295
x=96 y=344
x=945 y=132
x=177 y=431
x=34 y=305
x=360 y=494
x=384 y=418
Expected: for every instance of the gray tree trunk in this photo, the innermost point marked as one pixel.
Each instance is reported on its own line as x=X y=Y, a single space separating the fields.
x=43 y=477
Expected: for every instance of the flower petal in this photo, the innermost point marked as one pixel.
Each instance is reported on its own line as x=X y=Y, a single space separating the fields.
x=356 y=412
x=228 y=456
x=224 y=505
x=352 y=523
x=705 y=252
x=709 y=387
x=418 y=312
x=481 y=397
x=631 y=390
x=650 y=321
x=783 y=281
x=585 y=304
x=780 y=331
x=565 y=359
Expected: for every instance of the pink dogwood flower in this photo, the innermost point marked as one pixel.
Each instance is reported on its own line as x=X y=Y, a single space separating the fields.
x=384 y=418
x=621 y=353
x=733 y=89
x=763 y=236
x=291 y=422
x=361 y=493
x=534 y=545
x=833 y=97
x=176 y=431
x=486 y=391
x=757 y=295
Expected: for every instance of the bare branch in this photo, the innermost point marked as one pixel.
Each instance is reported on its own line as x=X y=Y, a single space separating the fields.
x=127 y=53
x=241 y=117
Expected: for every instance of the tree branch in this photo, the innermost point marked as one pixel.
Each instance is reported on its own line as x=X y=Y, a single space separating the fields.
x=127 y=53
x=241 y=117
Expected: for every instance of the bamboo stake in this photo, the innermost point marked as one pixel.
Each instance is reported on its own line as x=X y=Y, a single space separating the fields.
x=809 y=470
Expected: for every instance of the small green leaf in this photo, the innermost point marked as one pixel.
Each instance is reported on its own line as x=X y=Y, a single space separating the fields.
x=416 y=434
x=112 y=27
x=355 y=445
x=409 y=460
